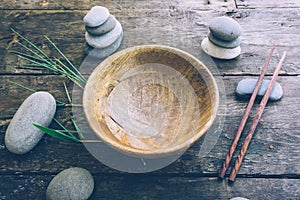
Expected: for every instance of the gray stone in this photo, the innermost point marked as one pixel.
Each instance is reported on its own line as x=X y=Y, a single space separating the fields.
x=246 y=86
x=101 y=53
x=71 y=184
x=238 y=198
x=221 y=43
x=106 y=39
x=96 y=16
x=21 y=136
x=107 y=26
x=219 y=52
x=225 y=28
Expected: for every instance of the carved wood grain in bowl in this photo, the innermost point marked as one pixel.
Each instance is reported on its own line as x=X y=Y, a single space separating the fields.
x=150 y=100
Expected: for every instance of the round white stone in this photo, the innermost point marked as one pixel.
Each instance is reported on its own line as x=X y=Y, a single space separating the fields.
x=96 y=16
x=219 y=52
x=238 y=198
x=106 y=39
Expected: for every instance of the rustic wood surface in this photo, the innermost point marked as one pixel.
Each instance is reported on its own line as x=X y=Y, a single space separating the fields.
x=271 y=169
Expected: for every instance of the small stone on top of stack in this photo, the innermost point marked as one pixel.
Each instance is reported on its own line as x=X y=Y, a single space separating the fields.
x=223 y=40
x=104 y=32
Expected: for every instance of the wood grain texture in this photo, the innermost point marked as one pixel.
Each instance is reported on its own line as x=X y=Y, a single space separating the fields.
x=181 y=28
x=257 y=4
x=163 y=187
x=275 y=142
x=271 y=168
x=116 y=4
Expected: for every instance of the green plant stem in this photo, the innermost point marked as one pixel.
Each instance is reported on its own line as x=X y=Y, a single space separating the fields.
x=37 y=58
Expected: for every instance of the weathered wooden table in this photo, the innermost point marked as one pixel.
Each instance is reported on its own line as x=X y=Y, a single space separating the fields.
x=271 y=168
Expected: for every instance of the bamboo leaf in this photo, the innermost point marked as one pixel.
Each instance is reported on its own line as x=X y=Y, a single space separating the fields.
x=56 y=133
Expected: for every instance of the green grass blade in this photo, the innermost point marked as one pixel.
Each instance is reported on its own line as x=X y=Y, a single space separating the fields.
x=50 y=67
x=27 y=55
x=64 y=128
x=49 y=61
x=22 y=86
x=40 y=59
x=69 y=62
x=32 y=66
x=58 y=103
x=63 y=67
x=31 y=44
x=44 y=65
x=66 y=131
x=60 y=124
x=68 y=70
x=76 y=127
x=56 y=133
x=67 y=93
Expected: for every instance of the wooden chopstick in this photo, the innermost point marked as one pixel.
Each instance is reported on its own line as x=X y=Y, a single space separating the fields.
x=245 y=117
x=256 y=119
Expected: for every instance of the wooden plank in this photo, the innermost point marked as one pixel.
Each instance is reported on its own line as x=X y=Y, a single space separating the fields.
x=183 y=30
x=12 y=96
x=267 y=4
x=116 y=4
x=273 y=151
x=163 y=187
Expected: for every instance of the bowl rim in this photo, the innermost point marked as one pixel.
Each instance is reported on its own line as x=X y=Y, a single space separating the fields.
x=166 y=151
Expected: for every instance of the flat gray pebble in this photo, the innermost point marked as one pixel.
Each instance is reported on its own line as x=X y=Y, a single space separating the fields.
x=71 y=184
x=106 y=39
x=107 y=26
x=96 y=16
x=225 y=28
x=221 y=43
x=246 y=86
x=104 y=52
x=21 y=136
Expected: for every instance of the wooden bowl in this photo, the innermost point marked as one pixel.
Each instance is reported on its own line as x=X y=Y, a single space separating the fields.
x=150 y=100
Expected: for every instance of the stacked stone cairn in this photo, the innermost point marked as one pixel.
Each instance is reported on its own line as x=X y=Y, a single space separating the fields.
x=104 y=32
x=223 y=40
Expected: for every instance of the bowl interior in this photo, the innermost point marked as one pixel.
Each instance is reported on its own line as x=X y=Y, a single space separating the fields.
x=150 y=100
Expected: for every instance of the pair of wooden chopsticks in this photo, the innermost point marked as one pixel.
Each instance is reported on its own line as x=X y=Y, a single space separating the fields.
x=255 y=121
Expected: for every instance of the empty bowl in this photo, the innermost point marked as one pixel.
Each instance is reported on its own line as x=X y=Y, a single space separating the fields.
x=150 y=100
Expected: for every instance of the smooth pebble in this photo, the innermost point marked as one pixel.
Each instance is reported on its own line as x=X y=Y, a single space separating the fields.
x=71 y=184
x=106 y=39
x=238 y=198
x=21 y=136
x=219 y=52
x=101 y=53
x=96 y=16
x=225 y=28
x=246 y=86
x=107 y=26
x=222 y=43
